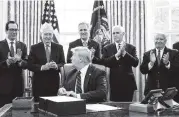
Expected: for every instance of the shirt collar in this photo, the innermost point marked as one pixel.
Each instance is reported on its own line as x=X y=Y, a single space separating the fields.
x=160 y=50
x=84 y=41
x=122 y=42
x=84 y=69
x=48 y=45
x=9 y=41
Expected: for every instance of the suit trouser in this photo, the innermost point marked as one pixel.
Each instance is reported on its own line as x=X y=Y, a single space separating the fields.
x=122 y=96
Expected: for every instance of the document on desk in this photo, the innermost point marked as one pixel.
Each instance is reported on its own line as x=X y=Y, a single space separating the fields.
x=100 y=107
x=61 y=99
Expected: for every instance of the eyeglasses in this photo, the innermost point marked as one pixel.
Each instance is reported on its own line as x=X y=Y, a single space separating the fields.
x=116 y=33
x=13 y=29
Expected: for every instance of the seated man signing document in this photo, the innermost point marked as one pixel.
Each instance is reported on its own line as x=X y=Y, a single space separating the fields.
x=85 y=81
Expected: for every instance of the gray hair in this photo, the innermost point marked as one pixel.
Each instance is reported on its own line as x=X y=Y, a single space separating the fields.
x=46 y=27
x=161 y=34
x=118 y=26
x=83 y=53
x=84 y=23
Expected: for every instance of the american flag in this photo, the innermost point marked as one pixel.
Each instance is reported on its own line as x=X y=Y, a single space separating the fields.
x=49 y=16
x=99 y=18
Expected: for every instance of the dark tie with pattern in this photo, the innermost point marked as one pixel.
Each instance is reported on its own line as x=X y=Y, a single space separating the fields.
x=158 y=58
x=119 y=46
x=78 y=83
x=47 y=53
x=85 y=44
x=12 y=49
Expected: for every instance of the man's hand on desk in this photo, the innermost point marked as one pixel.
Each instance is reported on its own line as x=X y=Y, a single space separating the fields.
x=72 y=94
x=63 y=91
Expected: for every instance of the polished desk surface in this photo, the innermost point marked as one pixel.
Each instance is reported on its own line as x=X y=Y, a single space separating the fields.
x=124 y=112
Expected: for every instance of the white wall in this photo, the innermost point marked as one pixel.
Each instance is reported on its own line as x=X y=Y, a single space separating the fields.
x=3 y=18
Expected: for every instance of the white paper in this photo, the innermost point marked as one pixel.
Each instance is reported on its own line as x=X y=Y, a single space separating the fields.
x=61 y=99
x=100 y=107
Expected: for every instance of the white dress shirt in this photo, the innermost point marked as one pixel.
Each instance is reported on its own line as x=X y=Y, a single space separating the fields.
x=9 y=44
x=83 y=74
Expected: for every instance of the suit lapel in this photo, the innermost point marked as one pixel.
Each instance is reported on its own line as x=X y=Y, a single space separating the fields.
x=114 y=49
x=42 y=52
x=6 y=47
x=72 y=79
x=87 y=77
x=164 y=52
x=18 y=46
x=80 y=42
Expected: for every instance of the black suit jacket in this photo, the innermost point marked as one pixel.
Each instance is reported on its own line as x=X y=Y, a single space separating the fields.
x=159 y=74
x=176 y=45
x=11 y=77
x=95 y=85
x=121 y=74
x=45 y=83
x=78 y=42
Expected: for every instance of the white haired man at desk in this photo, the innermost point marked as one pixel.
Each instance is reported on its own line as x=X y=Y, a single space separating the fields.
x=85 y=81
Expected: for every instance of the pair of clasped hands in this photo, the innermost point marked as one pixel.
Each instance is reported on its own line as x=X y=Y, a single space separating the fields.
x=17 y=57
x=121 y=51
x=50 y=65
x=165 y=58
x=62 y=91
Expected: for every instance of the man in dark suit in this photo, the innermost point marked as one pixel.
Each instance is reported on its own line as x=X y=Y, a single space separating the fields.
x=84 y=40
x=85 y=80
x=13 y=55
x=122 y=80
x=45 y=60
x=175 y=78
x=159 y=63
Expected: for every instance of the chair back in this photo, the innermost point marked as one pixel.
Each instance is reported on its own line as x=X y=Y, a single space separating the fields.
x=68 y=67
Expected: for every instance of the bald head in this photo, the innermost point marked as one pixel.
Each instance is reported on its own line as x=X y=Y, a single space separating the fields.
x=118 y=33
x=160 y=40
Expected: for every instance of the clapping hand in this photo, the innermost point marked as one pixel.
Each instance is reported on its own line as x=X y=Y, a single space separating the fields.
x=152 y=57
x=10 y=60
x=166 y=58
x=18 y=55
x=92 y=52
x=123 y=47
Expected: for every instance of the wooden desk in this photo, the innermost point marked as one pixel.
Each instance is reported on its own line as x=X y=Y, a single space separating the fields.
x=115 y=113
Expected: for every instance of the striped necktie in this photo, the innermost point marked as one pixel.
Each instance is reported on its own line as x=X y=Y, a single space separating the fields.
x=47 y=53
x=78 y=83
x=158 y=58
x=12 y=49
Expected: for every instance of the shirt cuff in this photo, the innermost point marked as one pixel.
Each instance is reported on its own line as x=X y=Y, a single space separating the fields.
x=117 y=58
x=124 y=54
x=78 y=96
x=150 y=66
x=168 y=65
